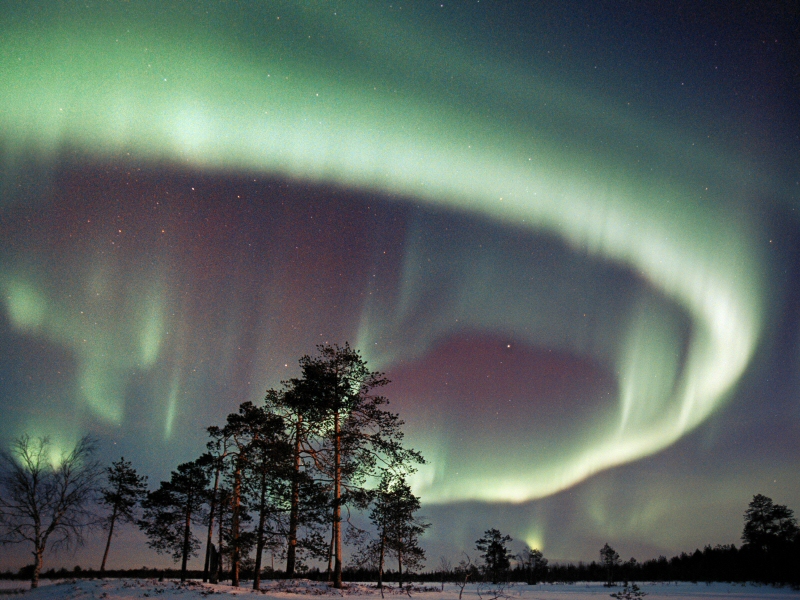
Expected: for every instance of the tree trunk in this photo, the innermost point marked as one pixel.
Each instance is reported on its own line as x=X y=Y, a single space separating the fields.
x=237 y=490
x=294 y=513
x=400 y=568
x=211 y=515
x=337 y=508
x=37 y=564
x=262 y=510
x=108 y=541
x=220 y=568
x=330 y=554
x=187 y=528
x=380 y=561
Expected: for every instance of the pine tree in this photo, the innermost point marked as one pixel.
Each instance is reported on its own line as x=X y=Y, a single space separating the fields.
x=358 y=437
x=123 y=491
x=307 y=500
x=236 y=434
x=402 y=530
x=534 y=563
x=768 y=526
x=267 y=472
x=255 y=439
x=223 y=519
x=609 y=559
x=496 y=557
x=397 y=528
x=214 y=461
x=170 y=511
x=629 y=592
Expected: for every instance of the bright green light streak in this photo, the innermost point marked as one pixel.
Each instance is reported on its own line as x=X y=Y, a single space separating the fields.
x=172 y=407
x=193 y=101
x=153 y=328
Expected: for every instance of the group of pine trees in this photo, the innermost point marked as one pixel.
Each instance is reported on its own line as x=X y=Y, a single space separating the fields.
x=279 y=476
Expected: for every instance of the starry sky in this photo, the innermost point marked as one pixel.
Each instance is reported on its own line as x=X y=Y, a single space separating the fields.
x=568 y=234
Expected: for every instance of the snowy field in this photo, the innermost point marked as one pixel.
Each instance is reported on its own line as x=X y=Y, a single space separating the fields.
x=129 y=589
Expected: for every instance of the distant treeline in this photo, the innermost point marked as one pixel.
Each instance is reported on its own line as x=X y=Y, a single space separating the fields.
x=720 y=563
x=348 y=574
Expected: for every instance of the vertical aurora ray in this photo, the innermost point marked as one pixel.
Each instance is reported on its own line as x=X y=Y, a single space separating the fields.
x=627 y=193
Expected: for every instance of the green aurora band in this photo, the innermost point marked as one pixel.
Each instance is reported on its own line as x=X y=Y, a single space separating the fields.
x=367 y=102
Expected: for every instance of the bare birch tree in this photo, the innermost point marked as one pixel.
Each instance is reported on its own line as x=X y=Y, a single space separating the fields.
x=46 y=496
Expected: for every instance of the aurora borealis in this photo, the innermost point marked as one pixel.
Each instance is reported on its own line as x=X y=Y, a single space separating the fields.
x=567 y=235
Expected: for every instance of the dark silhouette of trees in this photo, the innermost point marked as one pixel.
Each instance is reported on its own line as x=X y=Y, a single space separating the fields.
x=214 y=462
x=254 y=451
x=237 y=433
x=401 y=527
x=241 y=434
x=307 y=500
x=771 y=539
x=254 y=455
x=496 y=557
x=223 y=518
x=316 y=446
x=397 y=528
x=267 y=472
x=768 y=526
x=290 y=406
x=47 y=498
x=610 y=560
x=123 y=491
x=170 y=511
x=534 y=564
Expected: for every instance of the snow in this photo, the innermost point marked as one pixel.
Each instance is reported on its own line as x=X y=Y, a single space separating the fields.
x=130 y=589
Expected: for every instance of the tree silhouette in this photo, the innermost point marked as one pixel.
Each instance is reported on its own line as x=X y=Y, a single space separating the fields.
x=358 y=437
x=170 y=510
x=768 y=526
x=609 y=559
x=398 y=530
x=307 y=499
x=629 y=592
x=267 y=470
x=534 y=564
x=47 y=497
x=214 y=461
x=240 y=431
x=124 y=489
x=496 y=557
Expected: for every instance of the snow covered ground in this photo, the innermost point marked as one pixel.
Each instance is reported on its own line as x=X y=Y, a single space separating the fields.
x=130 y=589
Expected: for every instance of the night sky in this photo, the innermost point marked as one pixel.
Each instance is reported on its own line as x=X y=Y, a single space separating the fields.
x=567 y=232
